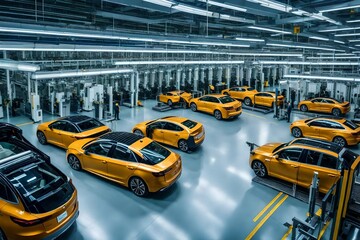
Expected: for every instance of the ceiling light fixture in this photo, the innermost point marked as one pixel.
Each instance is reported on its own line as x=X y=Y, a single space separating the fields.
x=319 y=38
x=175 y=62
x=301 y=46
x=18 y=66
x=353 y=21
x=228 y=6
x=339 y=29
x=307 y=63
x=337 y=41
x=164 y=3
x=269 y=29
x=335 y=57
x=321 y=77
x=347 y=34
x=354 y=40
x=339 y=8
x=250 y=39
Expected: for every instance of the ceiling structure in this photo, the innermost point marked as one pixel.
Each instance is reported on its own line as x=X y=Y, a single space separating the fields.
x=191 y=29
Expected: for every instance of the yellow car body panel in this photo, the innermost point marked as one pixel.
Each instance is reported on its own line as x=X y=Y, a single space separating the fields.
x=240 y=92
x=228 y=110
x=328 y=129
x=325 y=105
x=299 y=172
x=267 y=99
x=175 y=97
x=173 y=134
x=122 y=171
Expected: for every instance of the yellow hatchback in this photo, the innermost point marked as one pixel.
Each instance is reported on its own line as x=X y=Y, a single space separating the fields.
x=63 y=131
x=338 y=130
x=133 y=161
x=296 y=162
x=325 y=105
x=221 y=106
x=173 y=97
x=240 y=93
x=178 y=132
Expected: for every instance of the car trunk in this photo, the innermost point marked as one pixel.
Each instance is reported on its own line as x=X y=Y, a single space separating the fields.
x=170 y=166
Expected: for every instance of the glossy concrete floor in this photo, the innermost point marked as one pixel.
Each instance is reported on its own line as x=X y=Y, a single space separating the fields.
x=215 y=197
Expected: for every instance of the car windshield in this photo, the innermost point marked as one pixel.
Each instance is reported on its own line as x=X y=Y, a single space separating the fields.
x=9 y=149
x=43 y=187
x=89 y=124
x=226 y=99
x=189 y=124
x=280 y=146
x=154 y=153
x=351 y=125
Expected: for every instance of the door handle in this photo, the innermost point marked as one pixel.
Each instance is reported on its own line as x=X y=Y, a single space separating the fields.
x=130 y=167
x=104 y=162
x=331 y=175
x=294 y=166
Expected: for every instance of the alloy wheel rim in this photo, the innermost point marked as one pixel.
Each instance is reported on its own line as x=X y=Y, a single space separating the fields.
x=296 y=132
x=183 y=146
x=74 y=163
x=340 y=141
x=138 y=187
x=193 y=107
x=217 y=115
x=336 y=112
x=259 y=169
x=247 y=102
x=41 y=137
x=303 y=108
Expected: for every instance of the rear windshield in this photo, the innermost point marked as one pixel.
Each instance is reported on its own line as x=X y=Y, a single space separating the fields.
x=43 y=187
x=226 y=99
x=154 y=153
x=351 y=125
x=189 y=124
x=9 y=149
x=250 y=88
x=89 y=124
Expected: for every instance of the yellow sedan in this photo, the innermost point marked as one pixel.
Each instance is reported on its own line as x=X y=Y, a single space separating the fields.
x=133 y=161
x=326 y=105
x=240 y=93
x=63 y=131
x=178 y=132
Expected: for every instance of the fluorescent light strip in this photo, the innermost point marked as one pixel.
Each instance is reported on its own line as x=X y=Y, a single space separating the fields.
x=347 y=34
x=353 y=21
x=339 y=29
x=273 y=5
x=269 y=29
x=306 y=47
x=320 y=38
x=250 y=39
x=336 y=54
x=339 y=57
x=321 y=77
x=337 y=41
x=308 y=63
x=339 y=8
x=175 y=62
x=228 y=6
x=354 y=40
x=164 y=3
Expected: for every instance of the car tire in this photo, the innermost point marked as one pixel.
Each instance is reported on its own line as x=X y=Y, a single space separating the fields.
x=2 y=235
x=138 y=132
x=217 y=115
x=193 y=107
x=183 y=145
x=303 y=108
x=247 y=101
x=259 y=169
x=169 y=102
x=296 y=132
x=41 y=137
x=336 y=112
x=340 y=141
x=74 y=162
x=138 y=187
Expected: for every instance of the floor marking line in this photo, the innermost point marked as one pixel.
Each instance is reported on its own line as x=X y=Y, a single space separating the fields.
x=287 y=233
x=267 y=207
x=254 y=115
x=323 y=230
x=259 y=225
x=23 y=124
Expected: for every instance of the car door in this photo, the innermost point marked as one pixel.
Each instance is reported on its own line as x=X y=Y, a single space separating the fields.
x=155 y=131
x=330 y=130
x=202 y=103
x=316 y=105
x=55 y=132
x=95 y=158
x=268 y=99
x=171 y=134
x=69 y=134
x=122 y=163
x=259 y=99
x=234 y=92
x=213 y=103
x=327 y=105
x=309 y=162
x=314 y=129
x=328 y=172
x=285 y=164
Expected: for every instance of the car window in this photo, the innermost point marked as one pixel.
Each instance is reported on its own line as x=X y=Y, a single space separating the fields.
x=6 y=193
x=123 y=153
x=234 y=89
x=226 y=99
x=99 y=148
x=213 y=99
x=329 y=161
x=205 y=98
x=71 y=128
x=319 y=123
x=157 y=125
x=189 y=124
x=267 y=95
x=169 y=94
x=292 y=154
x=172 y=127
x=154 y=153
x=316 y=100
x=334 y=125
x=89 y=124
x=312 y=157
x=328 y=101
x=351 y=125
x=259 y=95
x=60 y=125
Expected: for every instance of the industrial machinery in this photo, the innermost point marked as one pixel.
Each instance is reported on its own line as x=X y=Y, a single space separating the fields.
x=36 y=112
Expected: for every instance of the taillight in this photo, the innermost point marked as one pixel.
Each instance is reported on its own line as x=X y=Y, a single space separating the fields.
x=162 y=173
x=28 y=223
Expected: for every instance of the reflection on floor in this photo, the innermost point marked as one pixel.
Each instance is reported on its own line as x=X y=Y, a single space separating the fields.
x=215 y=197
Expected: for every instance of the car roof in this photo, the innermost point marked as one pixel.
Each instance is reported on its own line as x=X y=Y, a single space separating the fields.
x=174 y=119
x=329 y=146
x=122 y=137
x=76 y=119
x=217 y=95
x=329 y=118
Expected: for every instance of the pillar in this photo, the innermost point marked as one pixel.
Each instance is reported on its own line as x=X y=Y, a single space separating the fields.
x=211 y=73
x=196 y=78
x=228 y=76
x=242 y=76
x=190 y=76
x=8 y=88
x=137 y=80
x=262 y=78
x=219 y=74
x=29 y=86
x=178 y=79
x=161 y=77
x=248 y=75
x=146 y=79
x=237 y=81
x=132 y=89
x=167 y=78
x=183 y=78
x=152 y=79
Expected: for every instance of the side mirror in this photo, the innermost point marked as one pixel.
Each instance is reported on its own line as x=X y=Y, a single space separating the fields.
x=276 y=157
x=51 y=128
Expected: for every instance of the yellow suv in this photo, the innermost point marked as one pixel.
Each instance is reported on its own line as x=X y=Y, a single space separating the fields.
x=178 y=132
x=175 y=97
x=338 y=130
x=133 y=161
x=221 y=106
x=266 y=99
x=297 y=160
x=326 y=105
x=240 y=93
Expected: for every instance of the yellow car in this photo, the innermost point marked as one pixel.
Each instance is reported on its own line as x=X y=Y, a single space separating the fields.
x=266 y=99
x=326 y=105
x=37 y=201
x=175 y=97
x=221 y=106
x=296 y=162
x=240 y=93
x=174 y=131
x=337 y=130
x=133 y=161
x=63 y=131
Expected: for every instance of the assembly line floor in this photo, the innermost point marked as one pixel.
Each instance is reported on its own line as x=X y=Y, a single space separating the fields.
x=215 y=198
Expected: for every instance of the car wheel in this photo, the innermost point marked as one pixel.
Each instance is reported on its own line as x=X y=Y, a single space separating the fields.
x=340 y=141
x=193 y=107
x=217 y=115
x=183 y=146
x=336 y=112
x=139 y=132
x=296 y=132
x=247 y=101
x=303 y=108
x=41 y=137
x=169 y=102
x=138 y=187
x=259 y=169
x=2 y=235
x=74 y=162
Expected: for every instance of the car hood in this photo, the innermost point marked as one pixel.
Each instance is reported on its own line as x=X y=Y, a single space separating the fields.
x=267 y=149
